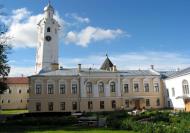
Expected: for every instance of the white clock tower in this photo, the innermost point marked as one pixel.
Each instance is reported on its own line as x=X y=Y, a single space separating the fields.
x=47 y=47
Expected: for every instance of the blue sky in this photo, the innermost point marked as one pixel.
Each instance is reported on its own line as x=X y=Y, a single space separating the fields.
x=134 y=33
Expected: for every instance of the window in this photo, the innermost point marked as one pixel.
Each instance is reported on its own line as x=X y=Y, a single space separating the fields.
x=2 y=101
x=158 y=102
x=89 y=88
x=74 y=88
x=156 y=87
x=169 y=104
x=48 y=29
x=112 y=87
x=125 y=88
x=146 y=87
x=113 y=104
x=126 y=103
x=38 y=106
x=38 y=88
x=8 y=101
x=10 y=91
x=27 y=91
x=167 y=93
x=19 y=91
x=74 y=105
x=101 y=104
x=21 y=100
x=62 y=88
x=101 y=87
x=147 y=102
x=50 y=106
x=173 y=92
x=136 y=87
x=62 y=105
x=90 y=105
x=185 y=86
x=50 y=88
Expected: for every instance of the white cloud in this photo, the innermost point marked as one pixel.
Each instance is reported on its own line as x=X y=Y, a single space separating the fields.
x=129 y=61
x=88 y=34
x=142 y=60
x=78 y=18
x=23 y=27
x=18 y=71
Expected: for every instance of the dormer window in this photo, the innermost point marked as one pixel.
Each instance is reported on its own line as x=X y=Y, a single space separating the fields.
x=48 y=29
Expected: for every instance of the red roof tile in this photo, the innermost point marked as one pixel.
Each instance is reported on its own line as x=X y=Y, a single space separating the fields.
x=17 y=80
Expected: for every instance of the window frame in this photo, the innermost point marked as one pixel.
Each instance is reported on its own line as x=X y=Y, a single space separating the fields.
x=113 y=87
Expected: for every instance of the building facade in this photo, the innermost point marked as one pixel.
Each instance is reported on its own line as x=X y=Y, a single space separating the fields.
x=16 y=97
x=94 y=90
x=177 y=90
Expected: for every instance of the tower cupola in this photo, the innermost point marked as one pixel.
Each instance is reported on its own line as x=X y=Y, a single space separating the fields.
x=49 y=11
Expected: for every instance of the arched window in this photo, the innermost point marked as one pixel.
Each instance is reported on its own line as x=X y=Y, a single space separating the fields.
x=89 y=87
x=101 y=87
x=112 y=87
x=185 y=86
x=48 y=29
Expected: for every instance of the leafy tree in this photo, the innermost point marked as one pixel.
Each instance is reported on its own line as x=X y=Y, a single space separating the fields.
x=4 y=48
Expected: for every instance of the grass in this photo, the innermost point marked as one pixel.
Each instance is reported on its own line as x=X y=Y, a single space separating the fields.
x=12 y=112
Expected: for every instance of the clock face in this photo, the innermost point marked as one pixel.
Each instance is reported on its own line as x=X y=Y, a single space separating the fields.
x=48 y=38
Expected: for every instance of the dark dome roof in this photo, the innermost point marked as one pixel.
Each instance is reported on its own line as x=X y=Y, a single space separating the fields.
x=107 y=64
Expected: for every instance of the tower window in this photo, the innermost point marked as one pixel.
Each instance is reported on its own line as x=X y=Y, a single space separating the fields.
x=48 y=29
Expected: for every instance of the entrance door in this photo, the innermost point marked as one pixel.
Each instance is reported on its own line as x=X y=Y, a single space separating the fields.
x=187 y=105
x=137 y=104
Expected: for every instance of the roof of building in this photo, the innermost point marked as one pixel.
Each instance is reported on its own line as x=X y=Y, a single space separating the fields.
x=75 y=72
x=139 y=73
x=17 y=80
x=61 y=72
x=166 y=74
x=180 y=73
x=107 y=64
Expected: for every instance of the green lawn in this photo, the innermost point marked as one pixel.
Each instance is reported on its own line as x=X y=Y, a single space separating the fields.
x=12 y=112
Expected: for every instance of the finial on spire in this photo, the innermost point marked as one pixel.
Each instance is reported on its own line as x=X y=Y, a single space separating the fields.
x=106 y=54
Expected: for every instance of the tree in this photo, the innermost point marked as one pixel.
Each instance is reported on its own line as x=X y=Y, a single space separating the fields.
x=4 y=49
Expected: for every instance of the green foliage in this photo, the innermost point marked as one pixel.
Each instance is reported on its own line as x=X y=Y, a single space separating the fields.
x=151 y=122
x=4 y=67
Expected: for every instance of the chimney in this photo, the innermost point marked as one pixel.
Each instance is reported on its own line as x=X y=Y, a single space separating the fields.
x=79 y=67
x=54 y=66
x=152 y=67
x=114 y=68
